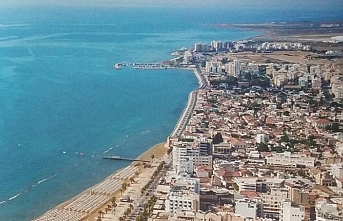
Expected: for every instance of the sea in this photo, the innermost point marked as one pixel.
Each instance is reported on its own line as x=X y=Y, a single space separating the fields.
x=63 y=106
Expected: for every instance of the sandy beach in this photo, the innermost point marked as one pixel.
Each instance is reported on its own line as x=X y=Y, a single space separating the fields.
x=87 y=204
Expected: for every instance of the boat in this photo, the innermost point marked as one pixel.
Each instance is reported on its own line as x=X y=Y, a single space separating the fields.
x=117 y=66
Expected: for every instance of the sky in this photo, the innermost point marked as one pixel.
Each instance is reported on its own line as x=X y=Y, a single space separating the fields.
x=175 y=3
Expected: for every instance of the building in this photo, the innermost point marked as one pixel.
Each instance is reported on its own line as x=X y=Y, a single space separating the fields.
x=224 y=149
x=321 y=123
x=217 y=45
x=186 y=166
x=185 y=153
x=260 y=185
x=187 y=183
x=262 y=138
x=182 y=200
x=249 y=208
x=289 y=159
x=214 y=196
x=336 y=170
x=272 y=202
x=198 y=47
x=214 y=67
x=326 y=211
x=291 y=212
x=337 y=89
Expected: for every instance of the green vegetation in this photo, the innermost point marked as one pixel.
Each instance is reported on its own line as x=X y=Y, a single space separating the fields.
x=262 y=147
x=334 y=127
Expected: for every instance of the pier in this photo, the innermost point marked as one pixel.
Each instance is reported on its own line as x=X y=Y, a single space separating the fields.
x=147 y=66
x=125 y=159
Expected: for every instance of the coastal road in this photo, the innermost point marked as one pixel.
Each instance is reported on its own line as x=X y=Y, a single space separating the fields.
x=186 y=115
x=138 y=206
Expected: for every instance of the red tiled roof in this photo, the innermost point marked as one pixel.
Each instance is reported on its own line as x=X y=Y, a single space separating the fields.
x=249 y=194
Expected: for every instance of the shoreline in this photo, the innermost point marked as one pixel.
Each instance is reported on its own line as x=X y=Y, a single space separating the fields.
x=192 y=99
x=179 y=127
x=92 y=214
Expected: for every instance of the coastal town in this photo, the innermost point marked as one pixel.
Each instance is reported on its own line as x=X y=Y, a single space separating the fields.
x=261 y=139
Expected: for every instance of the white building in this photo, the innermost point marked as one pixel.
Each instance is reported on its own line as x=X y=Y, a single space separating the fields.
x=185 y=153
x=336 y=170
x=303 y=82
x=192 y=184
x=337 y=89
x=214 y=67
x=289 y=159
x=272 y=202
x=248 y=208
x=328 y=211
x=262 y=138
x=198 y=47
x=182 y=200
x=186 y=166
x=261 y=185
x=233 y=68
x=291 y=212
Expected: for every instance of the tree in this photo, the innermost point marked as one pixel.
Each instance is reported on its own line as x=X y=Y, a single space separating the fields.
x=101 y=213
x=123 y=186
x=334 y=127
x=262 y=147
x=113 y=200
x=284 y=138
x=235 y=186
x=218 y=138
x=121 y=218
x=152 y=157
x=311 y=141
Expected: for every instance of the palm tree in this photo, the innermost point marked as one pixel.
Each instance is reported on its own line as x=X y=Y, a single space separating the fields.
x=152 y=157
x=99 y=219
x=109 y=207
x=121 y=219
x=113 y=199
x=131 y=207
x=123 y=186
x=126 y=213
x=132 y=180
x=101 y=213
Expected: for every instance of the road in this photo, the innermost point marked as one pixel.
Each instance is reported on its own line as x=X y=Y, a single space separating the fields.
x=138 y=206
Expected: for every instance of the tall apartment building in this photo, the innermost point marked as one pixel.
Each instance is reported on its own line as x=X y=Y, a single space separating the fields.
x=214 y=67
x=182 y=200
x=184 y=153
x=272 y=202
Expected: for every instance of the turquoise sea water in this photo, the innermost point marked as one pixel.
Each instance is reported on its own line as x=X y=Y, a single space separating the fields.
x=59 y=91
